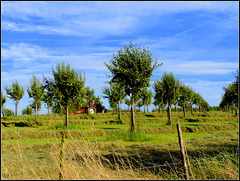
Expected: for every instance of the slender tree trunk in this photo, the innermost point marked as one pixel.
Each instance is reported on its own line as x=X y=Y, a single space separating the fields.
x=3 y=111
x=11 y=110
x=159 y=108
x=16 y=108
x=36 y=111
x=119 y=111
x=132 y=116
x=144 y=108
x=66 y=123
x=191 y=108
x=48 y=109
x=175 y=108
x=184 y=110
x=147 y=108
x=236 y=113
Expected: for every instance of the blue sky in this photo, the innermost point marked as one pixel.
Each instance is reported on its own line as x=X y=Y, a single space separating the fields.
x=196 y=40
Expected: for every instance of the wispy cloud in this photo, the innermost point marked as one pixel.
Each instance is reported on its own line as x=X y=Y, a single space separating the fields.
x=92 y=18
x=205 y=67
x=193 y=39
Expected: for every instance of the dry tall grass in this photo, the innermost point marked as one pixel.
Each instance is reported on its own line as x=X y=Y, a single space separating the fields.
x=83 y=161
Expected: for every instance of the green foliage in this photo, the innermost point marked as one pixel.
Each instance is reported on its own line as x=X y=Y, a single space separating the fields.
x=66 y=85
x=33 y=105
x=139 y=104
x=35 y=90
x=114 y=93
x=65 y=88
x=128 y=102
x=27 y=111
x=146 y=96
x=3 y=99
x=184 y=94
x=166 y=91
x=230 y=96
x=167 y=88
x=15 y=92
x=8 y=112
x=132 y=68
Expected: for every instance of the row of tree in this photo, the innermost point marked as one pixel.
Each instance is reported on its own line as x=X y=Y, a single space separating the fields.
x=131 y=70
x=65 y=91
x=230 y=96
x=168 y=91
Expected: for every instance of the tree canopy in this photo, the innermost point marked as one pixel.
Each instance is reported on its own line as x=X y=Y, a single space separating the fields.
x=15 y=93
x=35 y=91
x=65 y=87
x=166 y=91
x=132 y=68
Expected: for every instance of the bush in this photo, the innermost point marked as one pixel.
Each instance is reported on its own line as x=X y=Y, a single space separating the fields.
x=27 y=111
x=8 y=112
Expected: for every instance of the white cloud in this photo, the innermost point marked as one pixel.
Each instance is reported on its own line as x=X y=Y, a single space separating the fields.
x=94 y=18
x=27 y=55
x=199 y=67
x=23 y=52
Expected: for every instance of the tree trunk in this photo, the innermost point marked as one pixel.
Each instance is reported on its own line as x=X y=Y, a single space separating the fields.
x=169 y=115
x=191 y=108
x=48 y=109
x=132 y=116
x=159 y=110
x=66 y=123
x=16 y=108
x=11 y=111
x=119 y=111
x=147 y=108
x=144 y=108
x=36 y=111
x=184 y=110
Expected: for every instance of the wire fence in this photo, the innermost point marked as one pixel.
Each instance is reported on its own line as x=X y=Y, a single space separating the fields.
x=116 y=149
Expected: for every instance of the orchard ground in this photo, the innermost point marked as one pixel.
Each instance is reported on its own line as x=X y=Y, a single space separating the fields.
x=101 y=147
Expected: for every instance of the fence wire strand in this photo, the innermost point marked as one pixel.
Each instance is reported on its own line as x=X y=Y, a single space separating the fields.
x=111 y=150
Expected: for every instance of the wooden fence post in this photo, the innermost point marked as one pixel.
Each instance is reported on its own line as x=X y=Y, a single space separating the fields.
x=183 y=152
x=61 y=155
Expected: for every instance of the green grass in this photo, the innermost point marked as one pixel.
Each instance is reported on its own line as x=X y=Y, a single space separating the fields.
x=154 y=141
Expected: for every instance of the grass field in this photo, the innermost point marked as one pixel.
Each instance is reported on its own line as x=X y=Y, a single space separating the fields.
x=101 y=147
